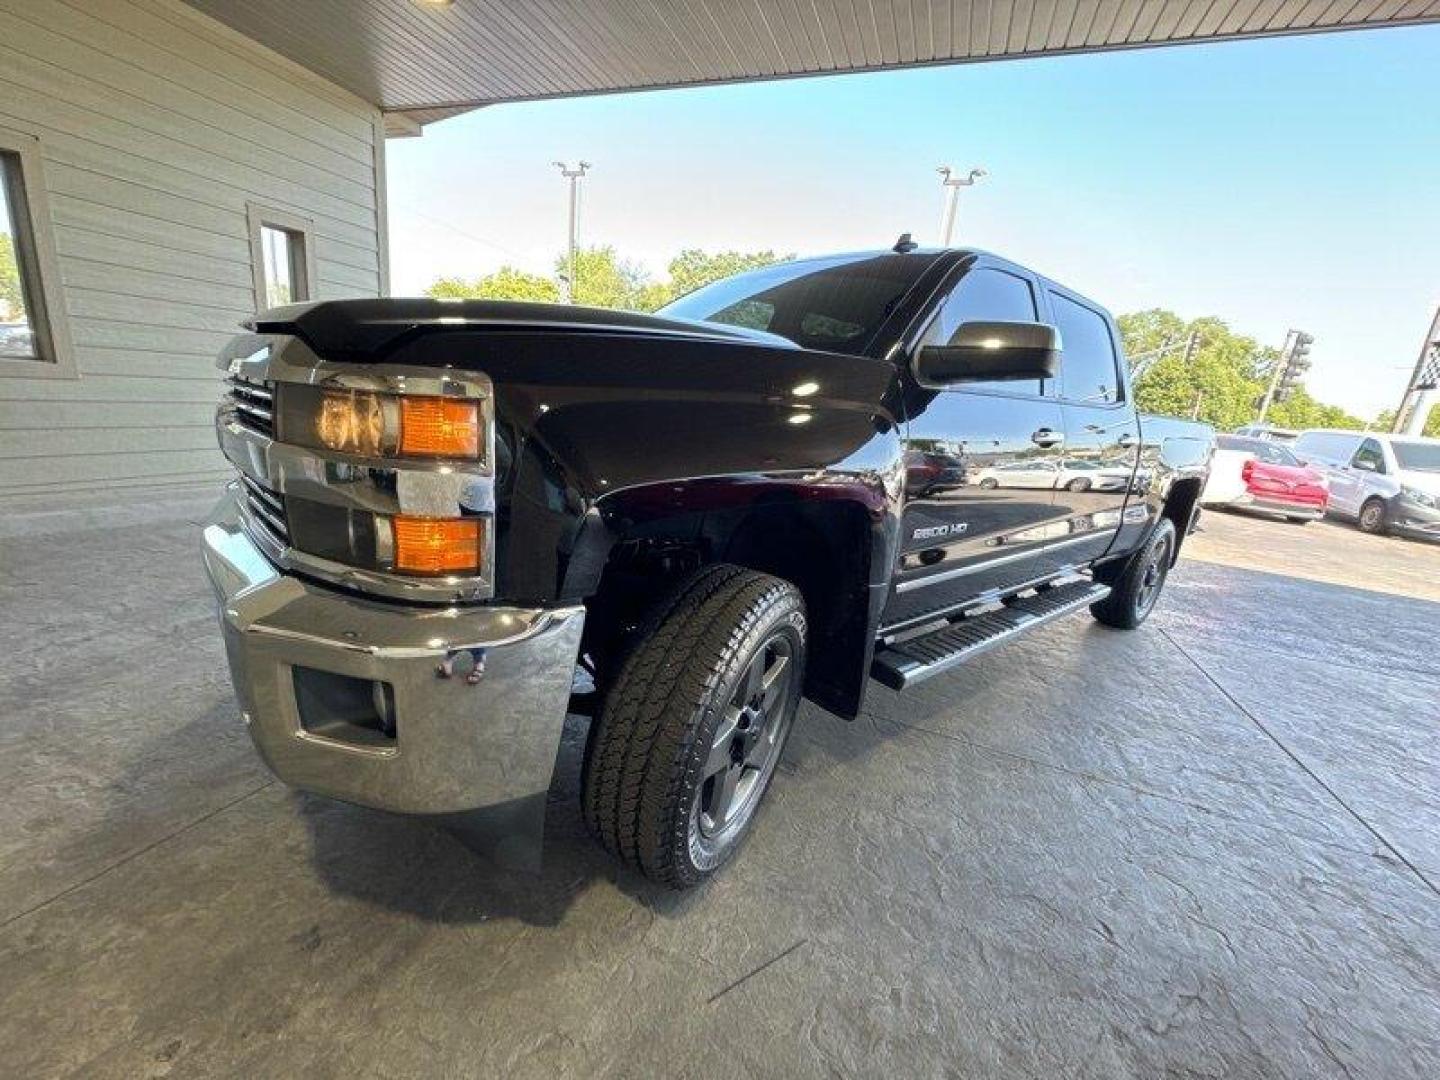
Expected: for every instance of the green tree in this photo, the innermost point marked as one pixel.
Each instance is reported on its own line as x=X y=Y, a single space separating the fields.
x=1300 y=410
x=12 y=298
x=1386 y=420
x=603 y=279
x=507 y=283
x=1224 y=379
x=694 y=268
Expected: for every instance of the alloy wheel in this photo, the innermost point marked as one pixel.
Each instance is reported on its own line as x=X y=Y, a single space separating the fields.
x=1152 y=578
x=748 y=739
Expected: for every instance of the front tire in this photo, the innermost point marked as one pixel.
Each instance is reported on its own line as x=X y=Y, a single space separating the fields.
x=1136 y=583
x=1078 y=484
x=687 y=741
x=1372 y=517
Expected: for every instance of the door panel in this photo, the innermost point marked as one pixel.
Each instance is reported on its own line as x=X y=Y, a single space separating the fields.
x=1102 y=435
x=981 y=463
x=1096 y=473
x=984 y=525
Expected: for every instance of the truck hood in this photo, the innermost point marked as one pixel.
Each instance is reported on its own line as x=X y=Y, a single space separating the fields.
x=364 y=330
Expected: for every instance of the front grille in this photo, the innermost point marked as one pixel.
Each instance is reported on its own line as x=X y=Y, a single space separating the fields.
x=253 y=404
x=267 y=510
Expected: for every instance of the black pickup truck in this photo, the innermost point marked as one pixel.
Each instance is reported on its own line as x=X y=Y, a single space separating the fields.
x=456 y=522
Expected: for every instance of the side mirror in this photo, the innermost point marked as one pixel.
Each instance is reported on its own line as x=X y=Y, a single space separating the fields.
x=991 y=352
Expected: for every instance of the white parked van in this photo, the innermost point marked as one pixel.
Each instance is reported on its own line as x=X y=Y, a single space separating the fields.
x=1382 y=482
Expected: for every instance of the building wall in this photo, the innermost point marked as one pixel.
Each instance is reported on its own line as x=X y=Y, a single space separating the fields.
x=158 y=127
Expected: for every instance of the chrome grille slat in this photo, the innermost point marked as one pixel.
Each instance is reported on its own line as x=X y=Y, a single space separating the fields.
x=275 y=502
x=253 y=404
x=267 y=508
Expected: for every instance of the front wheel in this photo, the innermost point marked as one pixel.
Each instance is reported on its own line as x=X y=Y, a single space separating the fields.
x=1080 y=483
x=1136 y=583
x=687 y=742
x=1372 y=517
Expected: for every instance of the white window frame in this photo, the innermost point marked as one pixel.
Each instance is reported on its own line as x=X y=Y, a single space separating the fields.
x=259 y=216
x=39 y=266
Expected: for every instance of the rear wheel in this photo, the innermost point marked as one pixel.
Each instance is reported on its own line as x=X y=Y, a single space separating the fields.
x=1136 y=583
x=989 y=483
x=1372 y=517
x=1080 y=483
x=687 y=742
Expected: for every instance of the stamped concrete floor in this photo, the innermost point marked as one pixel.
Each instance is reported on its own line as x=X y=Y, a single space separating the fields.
x=1207 y=848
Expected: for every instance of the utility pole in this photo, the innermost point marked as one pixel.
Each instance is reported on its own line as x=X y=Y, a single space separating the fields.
x=567 y=284
x=1424 y=381
x=1293 y=363
x=951 y=185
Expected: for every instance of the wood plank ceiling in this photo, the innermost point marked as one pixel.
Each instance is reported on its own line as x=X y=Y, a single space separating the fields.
x=431 y=60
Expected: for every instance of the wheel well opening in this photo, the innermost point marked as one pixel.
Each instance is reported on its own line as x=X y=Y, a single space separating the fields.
x=823 y=548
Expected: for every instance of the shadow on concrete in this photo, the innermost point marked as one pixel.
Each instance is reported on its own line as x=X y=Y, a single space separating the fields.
x=461 y=869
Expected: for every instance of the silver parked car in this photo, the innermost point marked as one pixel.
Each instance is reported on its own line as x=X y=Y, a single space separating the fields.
x=1385 y=483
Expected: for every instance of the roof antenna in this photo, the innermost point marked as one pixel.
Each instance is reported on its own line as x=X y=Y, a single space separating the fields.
x=904 y=245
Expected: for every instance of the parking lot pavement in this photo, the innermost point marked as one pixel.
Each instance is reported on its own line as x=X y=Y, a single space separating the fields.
x=1210 y=847
x=1331 y=551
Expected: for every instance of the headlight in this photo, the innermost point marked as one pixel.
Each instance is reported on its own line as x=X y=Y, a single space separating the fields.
x=1418 y=497
x=352 y=422
x=375 y=425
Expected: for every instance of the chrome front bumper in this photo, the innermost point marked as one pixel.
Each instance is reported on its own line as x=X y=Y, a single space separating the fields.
x=446 y=744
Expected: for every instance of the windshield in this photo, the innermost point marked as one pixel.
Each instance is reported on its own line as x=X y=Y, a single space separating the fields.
x=1268 y=452
x=835 y=304
x=1417 y=456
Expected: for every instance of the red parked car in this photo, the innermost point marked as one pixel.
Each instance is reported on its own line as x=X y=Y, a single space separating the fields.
x=1255 y=474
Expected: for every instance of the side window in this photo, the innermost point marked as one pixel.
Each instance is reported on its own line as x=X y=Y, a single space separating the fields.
x=282 y=257
x=1369 y=457
x=33 y=341
x=1087 y=362
x=985 y=295
x=1323 y=446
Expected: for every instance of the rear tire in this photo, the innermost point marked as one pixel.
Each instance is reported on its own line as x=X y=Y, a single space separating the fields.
x=1136 y=583
x=989 y=484
x=687 y=741
x=1372 y=517
x=1078 y=484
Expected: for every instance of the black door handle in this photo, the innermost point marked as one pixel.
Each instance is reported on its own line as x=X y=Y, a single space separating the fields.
x=1046 y=437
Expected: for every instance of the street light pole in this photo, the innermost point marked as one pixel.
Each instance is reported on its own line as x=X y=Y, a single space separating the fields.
x=951 y=184
x=573 y=175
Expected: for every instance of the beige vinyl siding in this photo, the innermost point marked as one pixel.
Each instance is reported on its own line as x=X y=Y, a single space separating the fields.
x=158 y=127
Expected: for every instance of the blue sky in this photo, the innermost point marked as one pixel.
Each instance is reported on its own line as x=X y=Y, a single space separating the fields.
x=1288 y=182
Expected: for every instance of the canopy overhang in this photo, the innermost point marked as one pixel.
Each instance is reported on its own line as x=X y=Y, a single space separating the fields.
x=422 y=60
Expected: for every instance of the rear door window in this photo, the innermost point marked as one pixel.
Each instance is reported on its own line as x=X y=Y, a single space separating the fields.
x=986 y=294
x=1330 y=446
x=1088 y=370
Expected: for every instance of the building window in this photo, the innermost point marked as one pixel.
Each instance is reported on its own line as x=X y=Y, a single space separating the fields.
x=282 y=253
x=32 y=338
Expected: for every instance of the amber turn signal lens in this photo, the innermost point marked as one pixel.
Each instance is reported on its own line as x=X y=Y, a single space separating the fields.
x=437 y=545
x=439 y=427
